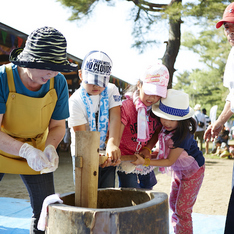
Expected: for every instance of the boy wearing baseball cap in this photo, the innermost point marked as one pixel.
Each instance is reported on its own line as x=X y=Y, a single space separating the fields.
x=95 y=106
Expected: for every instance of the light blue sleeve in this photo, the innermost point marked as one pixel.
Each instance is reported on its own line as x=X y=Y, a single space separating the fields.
x=4 y=90
x=61 y=110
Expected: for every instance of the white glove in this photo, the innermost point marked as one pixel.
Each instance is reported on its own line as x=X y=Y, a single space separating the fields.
x=52 y=156
x=36 y=159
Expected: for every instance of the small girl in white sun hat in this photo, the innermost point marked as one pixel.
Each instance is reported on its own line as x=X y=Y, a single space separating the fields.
x=179 y=154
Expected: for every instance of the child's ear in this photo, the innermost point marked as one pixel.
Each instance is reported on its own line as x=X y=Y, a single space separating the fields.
x=80 y=74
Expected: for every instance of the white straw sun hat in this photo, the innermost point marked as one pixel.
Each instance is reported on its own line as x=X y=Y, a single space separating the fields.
x=174 y=107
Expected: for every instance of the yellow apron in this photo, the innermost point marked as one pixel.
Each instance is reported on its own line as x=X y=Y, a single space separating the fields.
x=26 y=119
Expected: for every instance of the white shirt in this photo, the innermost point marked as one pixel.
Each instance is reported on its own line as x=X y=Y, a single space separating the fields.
x=228 y=79
x=78 y=113
x=200 y=117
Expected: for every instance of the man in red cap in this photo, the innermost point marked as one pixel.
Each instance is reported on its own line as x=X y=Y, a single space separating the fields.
x=228 y=81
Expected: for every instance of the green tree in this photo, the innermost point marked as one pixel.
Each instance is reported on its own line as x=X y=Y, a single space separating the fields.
x=206 y=86
x=146 y=14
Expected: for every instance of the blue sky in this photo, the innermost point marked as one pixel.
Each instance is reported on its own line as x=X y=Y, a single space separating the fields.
x=107 y=30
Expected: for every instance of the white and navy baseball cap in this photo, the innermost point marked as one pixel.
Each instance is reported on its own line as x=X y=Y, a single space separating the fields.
x=96 y=68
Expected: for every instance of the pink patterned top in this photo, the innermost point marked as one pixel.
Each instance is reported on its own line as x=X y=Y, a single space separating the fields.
x=185 y=165
x=129 y=144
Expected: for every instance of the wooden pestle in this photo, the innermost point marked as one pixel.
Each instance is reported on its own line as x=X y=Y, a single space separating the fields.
x=103 y=158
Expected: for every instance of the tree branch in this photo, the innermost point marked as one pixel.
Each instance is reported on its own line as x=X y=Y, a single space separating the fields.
x=148 y=6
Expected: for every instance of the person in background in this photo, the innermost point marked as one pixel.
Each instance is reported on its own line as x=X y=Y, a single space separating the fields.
x=140 y=127
x=96 y=106
x=208 y=122
x=201 y=124
x=178 y=155
x=222 y=149
x=231 y=151
x=33 y=109
x=228 y=81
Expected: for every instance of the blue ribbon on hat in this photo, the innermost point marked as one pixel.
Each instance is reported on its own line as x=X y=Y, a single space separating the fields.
x=173 y=111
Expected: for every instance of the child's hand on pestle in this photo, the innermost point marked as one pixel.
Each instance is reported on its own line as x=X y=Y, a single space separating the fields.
x=107 y=161
x=146 y=152
x=113 y=152
x=140 y=159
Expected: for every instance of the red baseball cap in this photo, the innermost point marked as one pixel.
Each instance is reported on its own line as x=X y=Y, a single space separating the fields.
x=228 y=15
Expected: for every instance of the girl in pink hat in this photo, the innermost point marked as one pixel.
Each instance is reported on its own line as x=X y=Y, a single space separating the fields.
x=140 y=127
x=178 y=154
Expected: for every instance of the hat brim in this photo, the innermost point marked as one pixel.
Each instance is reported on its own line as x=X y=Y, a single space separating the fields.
x=153 y=89
x=219 y=24
x=90 y=78
x=161 y=114
x=65 y=66
x=224 y=20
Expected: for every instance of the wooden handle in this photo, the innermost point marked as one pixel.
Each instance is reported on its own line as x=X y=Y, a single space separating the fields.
x=86 y=168
x=103 y=158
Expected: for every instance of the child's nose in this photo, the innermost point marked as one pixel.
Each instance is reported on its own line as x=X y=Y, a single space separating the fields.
x=153 y=97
